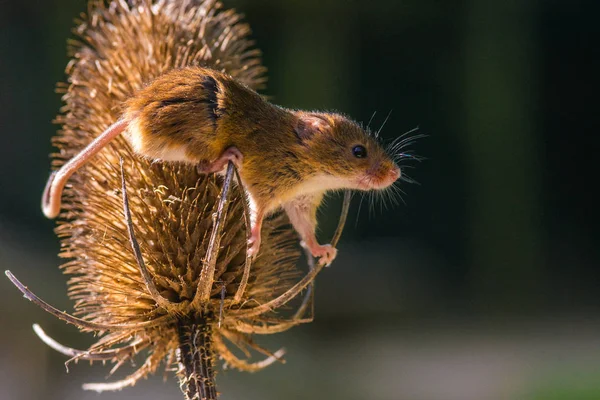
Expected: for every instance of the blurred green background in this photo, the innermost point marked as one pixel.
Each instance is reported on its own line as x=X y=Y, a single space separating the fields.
x=484 y=285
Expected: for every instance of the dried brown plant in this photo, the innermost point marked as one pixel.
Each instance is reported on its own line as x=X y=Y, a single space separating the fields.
x=156 y=252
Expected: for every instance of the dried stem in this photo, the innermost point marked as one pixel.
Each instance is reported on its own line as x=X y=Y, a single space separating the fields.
x=310 y=291
x=242 y=365
x=78 y=322
x=196 y=358
x=269 y=329
x=76 y=354
x=343 y=217
x=244 y=281
x=151 y=363
x=223 y=293
x=205 y=282
x=148 y=279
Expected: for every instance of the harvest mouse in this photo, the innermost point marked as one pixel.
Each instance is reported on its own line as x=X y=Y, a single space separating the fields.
x=286 y=158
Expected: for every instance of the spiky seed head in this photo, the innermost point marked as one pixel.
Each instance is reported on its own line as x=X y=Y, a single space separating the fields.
x=120 y=48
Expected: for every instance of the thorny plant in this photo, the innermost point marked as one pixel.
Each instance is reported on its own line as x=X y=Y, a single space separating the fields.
x=191 y=323
x=156 y=252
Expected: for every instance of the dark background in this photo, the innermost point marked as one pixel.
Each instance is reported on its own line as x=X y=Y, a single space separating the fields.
x=483 y=285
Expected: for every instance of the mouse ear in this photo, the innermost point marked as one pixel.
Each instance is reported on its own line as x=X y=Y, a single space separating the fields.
x=309 y=125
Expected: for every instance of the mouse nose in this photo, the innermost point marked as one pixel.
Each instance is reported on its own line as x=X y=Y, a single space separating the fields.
x=395 y=173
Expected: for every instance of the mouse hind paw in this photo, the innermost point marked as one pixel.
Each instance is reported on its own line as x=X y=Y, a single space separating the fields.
x=326 y=253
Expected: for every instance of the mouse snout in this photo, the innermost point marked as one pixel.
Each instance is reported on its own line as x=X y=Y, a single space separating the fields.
x=394 y=173
x=381 y=177
x=390 y=175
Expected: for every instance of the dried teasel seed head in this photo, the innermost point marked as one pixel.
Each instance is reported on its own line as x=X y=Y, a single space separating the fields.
x=156 y=252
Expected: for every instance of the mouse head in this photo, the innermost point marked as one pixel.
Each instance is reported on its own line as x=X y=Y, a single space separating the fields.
x=346 y=154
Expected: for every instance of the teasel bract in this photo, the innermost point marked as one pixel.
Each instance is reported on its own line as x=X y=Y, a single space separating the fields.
x=156 y=252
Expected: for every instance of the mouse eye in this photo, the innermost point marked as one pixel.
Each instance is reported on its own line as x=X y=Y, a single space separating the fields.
x=359 y=151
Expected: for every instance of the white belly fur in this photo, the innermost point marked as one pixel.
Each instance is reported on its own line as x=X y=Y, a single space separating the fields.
x=158 y=149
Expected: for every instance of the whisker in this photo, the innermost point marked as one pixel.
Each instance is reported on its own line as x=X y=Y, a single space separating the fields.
x=379 y=197
x=371 y=119
x=404 y=135
x=382 y=125
x=362 y=197
x=407 y=166
x=407 y=141
x=391 y=194
x=386 y=200
x=409 y=155
x=398 y=192
x=408 y=179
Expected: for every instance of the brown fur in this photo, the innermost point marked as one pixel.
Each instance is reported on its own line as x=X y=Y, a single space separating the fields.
x=176 y=110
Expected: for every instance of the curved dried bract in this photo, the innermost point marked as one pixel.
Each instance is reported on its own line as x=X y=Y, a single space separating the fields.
x=233 y=361
x=169 y=306
x=268 y=329
x=248 y=265
x=158 y=353
x=207 y=273
x=88 y=355
x=78 y=322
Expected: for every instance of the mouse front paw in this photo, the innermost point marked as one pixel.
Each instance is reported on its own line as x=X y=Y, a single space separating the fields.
x=326 y=253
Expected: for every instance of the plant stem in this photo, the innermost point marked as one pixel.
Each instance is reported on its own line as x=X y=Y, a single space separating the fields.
x=196 y=358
